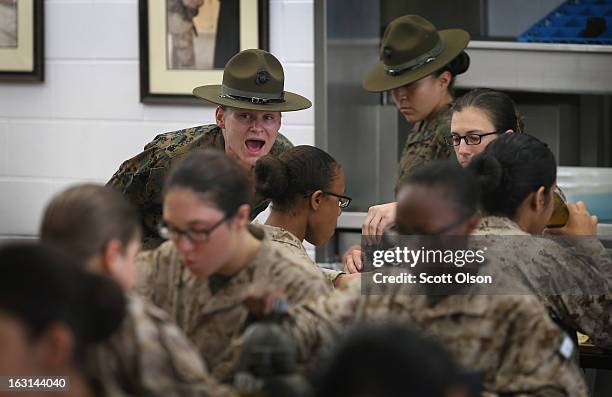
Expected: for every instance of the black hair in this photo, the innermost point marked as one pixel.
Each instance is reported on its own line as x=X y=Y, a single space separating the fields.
x=499 y=108
x=383 y=361
x=509 y=169
x=40 y=286
x=297 y=172
x=216 y=176
x=453 y=181
x=82 y=219
x=457 y=66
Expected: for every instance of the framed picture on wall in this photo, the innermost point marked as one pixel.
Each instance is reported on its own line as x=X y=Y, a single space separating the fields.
x=186 y=43
x=21 y=40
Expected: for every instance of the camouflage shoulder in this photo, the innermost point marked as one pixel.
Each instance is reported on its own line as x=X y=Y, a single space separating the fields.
x=443 y=120
x=281 y=144
x=156 y=151
x=178 y=142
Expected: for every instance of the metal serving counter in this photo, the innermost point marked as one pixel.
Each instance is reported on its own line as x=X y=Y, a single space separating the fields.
x=353 y=221
x=348 y=233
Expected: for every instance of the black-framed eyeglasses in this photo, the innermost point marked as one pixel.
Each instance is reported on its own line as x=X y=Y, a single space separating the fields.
x=343 y=201
x=470 y=139
x=193 y=235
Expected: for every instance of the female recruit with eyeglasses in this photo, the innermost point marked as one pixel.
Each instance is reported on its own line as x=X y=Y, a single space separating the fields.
x=479 y=117
x=214 y=256
x=306 y=186
x=98 y=226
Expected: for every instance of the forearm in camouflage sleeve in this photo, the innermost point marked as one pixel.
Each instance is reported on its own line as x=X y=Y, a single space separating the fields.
x=590 y=309
x=315 y=325
x=330 y=274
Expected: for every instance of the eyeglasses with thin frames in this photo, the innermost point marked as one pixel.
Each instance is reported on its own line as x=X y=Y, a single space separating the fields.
x=470 y=139
x=195 y=236
x=343 y=201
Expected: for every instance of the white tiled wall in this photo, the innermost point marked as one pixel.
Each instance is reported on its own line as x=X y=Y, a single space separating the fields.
x=86 y=118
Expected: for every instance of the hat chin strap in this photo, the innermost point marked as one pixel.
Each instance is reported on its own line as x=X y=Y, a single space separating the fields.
x=252 y=97
x=416 y=63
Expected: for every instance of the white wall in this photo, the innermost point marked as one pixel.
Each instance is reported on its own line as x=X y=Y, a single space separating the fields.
x=86 y=118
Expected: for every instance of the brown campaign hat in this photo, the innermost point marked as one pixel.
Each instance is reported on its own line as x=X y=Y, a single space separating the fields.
x=411 y=49
x=253 y=80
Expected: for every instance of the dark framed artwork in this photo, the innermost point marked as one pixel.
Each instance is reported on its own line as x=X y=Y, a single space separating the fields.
x=186 y=43
x=21 y=40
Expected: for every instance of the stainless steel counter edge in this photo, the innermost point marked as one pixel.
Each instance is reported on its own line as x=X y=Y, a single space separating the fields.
x=513 y=45
x=353 y=221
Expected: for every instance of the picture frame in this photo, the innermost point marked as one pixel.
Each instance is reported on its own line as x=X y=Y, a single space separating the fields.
x=22 y=40
x=164 y=78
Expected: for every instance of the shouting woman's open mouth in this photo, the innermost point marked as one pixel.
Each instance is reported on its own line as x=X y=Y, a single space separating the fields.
x=254 y=145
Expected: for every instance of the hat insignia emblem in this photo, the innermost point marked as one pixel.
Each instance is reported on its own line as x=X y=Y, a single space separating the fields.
x=262 y=77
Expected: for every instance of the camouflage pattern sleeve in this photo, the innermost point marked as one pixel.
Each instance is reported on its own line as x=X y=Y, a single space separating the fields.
x=425 y=143
x=141 y=178
x=536 y=358
x=510 y=339
x=588 y=309
x=151 y=356
x=330 y=274
x=315 y=325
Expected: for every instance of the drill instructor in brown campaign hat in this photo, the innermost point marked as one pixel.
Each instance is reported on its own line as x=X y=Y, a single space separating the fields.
x=249 y=102
x=418 y=64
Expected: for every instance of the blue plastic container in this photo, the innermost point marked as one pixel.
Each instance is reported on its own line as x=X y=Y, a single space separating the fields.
x=564 y=23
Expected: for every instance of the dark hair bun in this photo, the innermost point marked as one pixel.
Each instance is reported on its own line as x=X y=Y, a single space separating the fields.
x=460 y=64
x=489 y=172
x=106 y=304
x=272 y=177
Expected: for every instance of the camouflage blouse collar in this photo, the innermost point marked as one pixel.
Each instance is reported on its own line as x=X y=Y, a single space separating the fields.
x=281 y=235
x=499 y=225
x=437 y=117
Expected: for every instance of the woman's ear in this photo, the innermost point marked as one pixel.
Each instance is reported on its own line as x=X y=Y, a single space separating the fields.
x=315 y=200
x=539 y=201
x=243 y=216
x=220 y=117
x=55 y=348
x=444 y=79
x=111 y=255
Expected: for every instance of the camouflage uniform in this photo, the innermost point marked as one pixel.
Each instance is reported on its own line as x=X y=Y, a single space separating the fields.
x=509 y=339
x=283 y=238
x=574 y=281
x=215 y=321
x=141 y=178
x=425 y=143
x=149 y=355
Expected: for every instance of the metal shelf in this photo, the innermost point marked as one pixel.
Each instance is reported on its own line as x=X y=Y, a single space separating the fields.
x=539 y=67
